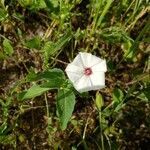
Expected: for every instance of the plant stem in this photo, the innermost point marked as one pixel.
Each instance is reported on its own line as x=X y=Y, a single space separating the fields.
x=101 y=134
x=47 y=109
x=105 y=10
x=48 y=115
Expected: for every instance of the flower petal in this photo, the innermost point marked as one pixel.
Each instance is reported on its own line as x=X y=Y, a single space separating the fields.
x=78 y=61
x=83 y=84
x=74 y=73
x=89 y=60
x=94 y=82
x=101 y=66
x=98 y=79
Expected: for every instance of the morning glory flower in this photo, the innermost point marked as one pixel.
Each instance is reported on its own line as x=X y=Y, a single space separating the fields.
x=87 y=72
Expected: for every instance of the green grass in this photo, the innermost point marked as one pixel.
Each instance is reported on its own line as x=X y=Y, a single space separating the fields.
x=37 y=36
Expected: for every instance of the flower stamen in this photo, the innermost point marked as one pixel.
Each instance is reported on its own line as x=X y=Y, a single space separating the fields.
x=87 y=71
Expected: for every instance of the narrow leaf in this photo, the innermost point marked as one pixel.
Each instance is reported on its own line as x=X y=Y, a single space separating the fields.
x=105 y=10
x=50 y=48
x=32 y=92
x=53 y=6
x=8 y=49
x=117 y=95
x=3 y=14
x=33 y=43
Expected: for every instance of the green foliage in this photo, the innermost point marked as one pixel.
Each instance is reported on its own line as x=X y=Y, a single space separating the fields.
x=117 y=95
x=99 y=101
x=8 y=139
x=3 y=14
x=105 y=10
x=51 y=48
x=144 y=94
x=128 y=53
x=55 y=76
x=33 y=92
x=65 y=106
x=53 y=6
x=33 y=43
x=33 y=4
x=3 y=128
x=2 y=56
x=54 y=79
x=115 y=30
x=8 y=49
x=118 y=99
x=98 y=12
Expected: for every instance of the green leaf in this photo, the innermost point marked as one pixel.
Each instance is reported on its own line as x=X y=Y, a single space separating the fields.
x=133 y=49
x=116 y=34
x=147 y=93
x=3 y=127
x=65 y=106
x=54 y=84
x=2 y=56
x=25 y=3
x=53 y=6
x=99 y=101
x=33 y=43
x=55 y=76
x=144 y=94
x=50 y=48
x=111 y=66
x=32 y=92
x=3 y=14
x=117 y=95
x=105 y=10
x=128 y=53
x=7 y=139
x=8 y=49
x=33 y=4
x=38 y=4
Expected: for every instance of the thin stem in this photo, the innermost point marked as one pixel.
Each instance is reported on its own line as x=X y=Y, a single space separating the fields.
x=105 y=10
x=84 y=132
x=101 y=134
x=47 y=108
x=141 y=14
x=62 y=62
x=127 y=11
x=96 y=16
x=33 y=123
x=134 y=47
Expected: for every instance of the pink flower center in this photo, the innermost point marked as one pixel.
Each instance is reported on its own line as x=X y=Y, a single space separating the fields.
x=87 y=71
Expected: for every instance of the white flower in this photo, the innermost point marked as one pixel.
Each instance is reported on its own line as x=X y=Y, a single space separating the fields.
x=87 y=72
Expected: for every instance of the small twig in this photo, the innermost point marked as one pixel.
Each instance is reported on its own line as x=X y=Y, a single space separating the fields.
x=49 y=30
x=137 y=80
x=33 y=108
x=60 y=61
x=84 y=132
x=47 y=107
x=33 y=123
x=142 y=13
x=85 y=128
x=109 y=80
x=127 y=10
